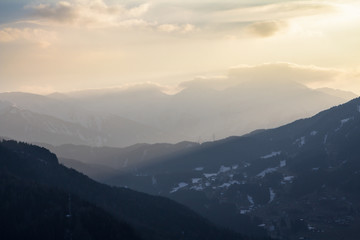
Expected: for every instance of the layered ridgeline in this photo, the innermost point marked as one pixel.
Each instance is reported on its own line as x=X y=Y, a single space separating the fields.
x=300 y=180
x=100 y=162
x=35 y=118
x=145 y=114
x=42 y=199
x=202 y=112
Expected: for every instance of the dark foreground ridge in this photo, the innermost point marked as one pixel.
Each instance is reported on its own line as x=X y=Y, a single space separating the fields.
x=35 y=192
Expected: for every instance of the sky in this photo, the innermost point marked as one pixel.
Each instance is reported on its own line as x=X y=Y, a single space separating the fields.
x=58 y=46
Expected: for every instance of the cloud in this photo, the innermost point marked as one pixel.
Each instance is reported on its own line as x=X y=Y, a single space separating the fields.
x=280 y=72
x=146 y=87
x=6 y=36
x=305 y=8
x=40 y=36
x=283 y=71
x=45 y=89
x=135 y=23
x=214 y=82
x=139 y=10
x=99 y=14
x=238 y=18
x=280 y=11
x=169 y=28
x=265 y=28
x=61 y=12
x=91 y=13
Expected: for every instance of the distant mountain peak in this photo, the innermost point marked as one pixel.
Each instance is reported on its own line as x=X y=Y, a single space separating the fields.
x=347 y=95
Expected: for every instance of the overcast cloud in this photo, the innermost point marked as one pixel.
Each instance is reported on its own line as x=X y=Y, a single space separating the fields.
x=64 y=45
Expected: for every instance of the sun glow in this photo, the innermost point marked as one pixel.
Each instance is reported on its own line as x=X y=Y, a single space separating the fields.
x=64 y=45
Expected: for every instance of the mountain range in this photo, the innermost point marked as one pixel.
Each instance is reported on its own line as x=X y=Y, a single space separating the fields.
x=35 y=118
x=297 y=181
x=145 y=114
x=200 y=112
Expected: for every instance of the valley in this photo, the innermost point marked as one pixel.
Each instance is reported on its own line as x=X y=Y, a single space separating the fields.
x=298 y=180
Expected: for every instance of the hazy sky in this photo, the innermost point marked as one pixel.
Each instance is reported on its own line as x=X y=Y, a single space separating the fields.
x=75 y=44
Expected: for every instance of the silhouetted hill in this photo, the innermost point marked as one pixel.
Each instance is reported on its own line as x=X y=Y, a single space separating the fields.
x=38 y=172
x=30 y=210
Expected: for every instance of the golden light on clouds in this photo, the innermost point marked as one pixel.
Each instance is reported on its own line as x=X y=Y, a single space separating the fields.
x=266 y=28
x=85 y=13
x=40 y=36
x=66 y=45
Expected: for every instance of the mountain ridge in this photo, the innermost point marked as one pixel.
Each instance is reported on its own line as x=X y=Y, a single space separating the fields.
x=125 y=116
x=277 y=176
x=151 y=217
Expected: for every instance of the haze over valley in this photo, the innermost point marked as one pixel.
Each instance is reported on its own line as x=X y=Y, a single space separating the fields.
x=204 y=110
x=179 y=120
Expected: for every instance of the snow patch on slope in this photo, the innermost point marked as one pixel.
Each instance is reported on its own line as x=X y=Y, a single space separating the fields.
x=272 y=195
x=250 y=199
x=180 y=185
x=313 y=133
x=197 y=188
x=325 y=139
x=210 y=175
x=228 y=184
x=224 y=169
x=300 y=141
x=195 y=180
x=345 y=120
x=244 y=211
x=273 y=154
x=283 y=163
x=288 y=179
x=342 y=122
x=266 y=171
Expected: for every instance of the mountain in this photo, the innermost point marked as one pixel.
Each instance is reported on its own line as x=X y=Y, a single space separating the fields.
x=33 y=118
x=51 y=107
x=95 y=171
x=200 y=112
x=338 y=93
x=120 y=117
x=34 y=172
x=33 y=211
x=298 y=181
x=126 y=159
